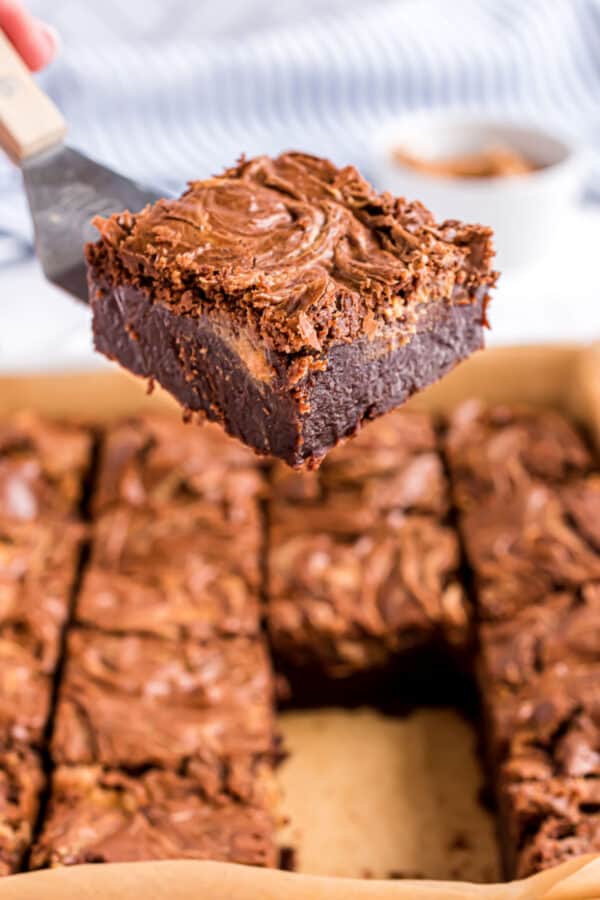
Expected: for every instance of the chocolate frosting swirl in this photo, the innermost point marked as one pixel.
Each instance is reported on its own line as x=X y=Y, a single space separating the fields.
x=306 y=253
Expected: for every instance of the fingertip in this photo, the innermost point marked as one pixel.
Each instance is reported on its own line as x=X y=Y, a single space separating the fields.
x=35 y=41
x=47 y=46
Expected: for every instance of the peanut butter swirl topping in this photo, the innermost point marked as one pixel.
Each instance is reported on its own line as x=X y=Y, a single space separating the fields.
x=307 y=254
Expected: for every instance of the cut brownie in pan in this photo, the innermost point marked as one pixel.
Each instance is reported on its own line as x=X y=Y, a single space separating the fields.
x=98 y=815
x=351 y=605
x=25 y=692
x=42 y=465
x=21 y=782
x=392 y=466
x=134 y=701
x=38 y=563
x=201 y=599
x=189 y=571
x=551 y=821
x=358 y=573
x=563 y=630
x=529 y=507
x=289 y=301
x=154 y=461
x=494 y=450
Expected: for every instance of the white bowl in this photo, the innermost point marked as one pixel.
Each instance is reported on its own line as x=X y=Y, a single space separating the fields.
x=527 y=212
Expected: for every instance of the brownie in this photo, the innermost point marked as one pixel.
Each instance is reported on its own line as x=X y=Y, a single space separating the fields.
x=551 y=821
x=563 y=630
x=350 y=605
x=288 y=301
x=154 y=461
x=361 y=568
x=25 y=694
x=21 y=782
x=42 y=466
x=525 y=549
x=201 y=599
x=133 y=701
x=494 y=450
x=135 y=542
x=393 y=465
x=528 y=505
x=191 y=571
x=98 y=815
x=38 y=564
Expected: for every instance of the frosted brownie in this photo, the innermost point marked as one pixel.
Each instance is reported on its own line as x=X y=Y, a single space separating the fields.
x=289 y=301
x=97 y=815
x=134 y=701
x=361 y=568
x=21 y=783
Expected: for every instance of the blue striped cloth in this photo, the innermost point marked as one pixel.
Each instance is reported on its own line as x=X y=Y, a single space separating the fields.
x=172 y=91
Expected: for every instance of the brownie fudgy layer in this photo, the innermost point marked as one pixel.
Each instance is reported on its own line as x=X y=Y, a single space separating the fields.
x=289 y=301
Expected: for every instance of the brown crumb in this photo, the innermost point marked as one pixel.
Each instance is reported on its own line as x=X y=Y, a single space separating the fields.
x=288 y=859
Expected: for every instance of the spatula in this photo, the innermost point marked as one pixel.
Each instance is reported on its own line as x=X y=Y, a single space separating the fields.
x=65 y=189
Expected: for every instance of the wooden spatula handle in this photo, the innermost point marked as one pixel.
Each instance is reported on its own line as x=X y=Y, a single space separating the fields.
x=29 y=120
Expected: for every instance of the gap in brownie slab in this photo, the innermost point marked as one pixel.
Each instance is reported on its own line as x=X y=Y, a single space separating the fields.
x=399 y=796
x=84 y=515
x=387 y=750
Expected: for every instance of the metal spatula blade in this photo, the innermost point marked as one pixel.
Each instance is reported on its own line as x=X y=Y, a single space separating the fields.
x=65 y=190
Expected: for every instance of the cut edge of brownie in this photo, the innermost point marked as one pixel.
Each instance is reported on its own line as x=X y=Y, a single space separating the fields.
x=298 y=423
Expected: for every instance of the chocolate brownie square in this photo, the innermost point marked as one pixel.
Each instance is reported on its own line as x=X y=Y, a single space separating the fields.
x=189 y=571
x=98 y=815
x=135 y=700
x=155 y=461
x=548 y=822
x=528 y=547
x=393 y=465
x=360 y=567
x=495 y=450
x=289 y=301
x=21 y=783
x=549 y=725
x=346 y=605
x=25 y=693
x=38 y=564
x=564 y=629
x=201 y=600
x=42 y=466
x=190 y=537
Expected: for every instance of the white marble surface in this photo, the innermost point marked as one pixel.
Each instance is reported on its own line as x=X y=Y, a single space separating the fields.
x=557 y=299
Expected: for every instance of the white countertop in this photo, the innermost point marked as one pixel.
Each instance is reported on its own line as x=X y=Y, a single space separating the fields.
x=557 y=299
